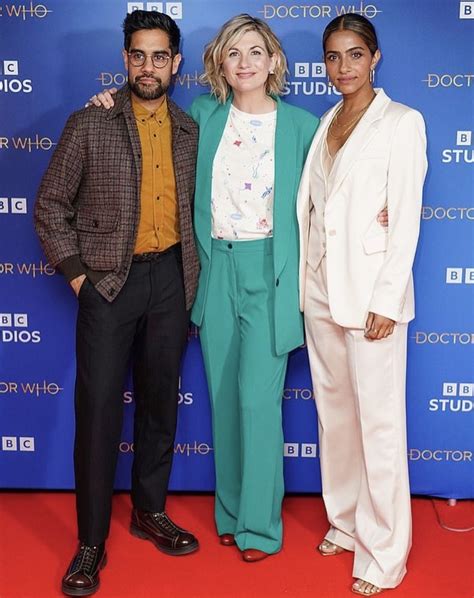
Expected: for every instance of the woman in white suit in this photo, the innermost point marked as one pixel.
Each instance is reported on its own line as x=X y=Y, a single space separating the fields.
x=356 y=291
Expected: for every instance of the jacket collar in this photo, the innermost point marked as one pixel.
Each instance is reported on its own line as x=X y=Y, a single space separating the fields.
x=123 y=105
x=374 y=112
x=358 y=140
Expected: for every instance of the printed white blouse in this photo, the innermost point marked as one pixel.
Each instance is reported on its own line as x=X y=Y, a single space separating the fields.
x=243 y=174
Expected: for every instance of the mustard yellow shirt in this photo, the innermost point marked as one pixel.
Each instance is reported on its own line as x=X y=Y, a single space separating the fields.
x=158 y=228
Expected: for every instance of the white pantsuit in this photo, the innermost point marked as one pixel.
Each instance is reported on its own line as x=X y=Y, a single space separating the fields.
x=350 y=266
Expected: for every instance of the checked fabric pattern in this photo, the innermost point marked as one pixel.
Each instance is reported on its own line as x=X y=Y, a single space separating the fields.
x=88 y=204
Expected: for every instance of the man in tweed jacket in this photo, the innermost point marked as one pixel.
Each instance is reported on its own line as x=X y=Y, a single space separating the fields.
x=114 y=216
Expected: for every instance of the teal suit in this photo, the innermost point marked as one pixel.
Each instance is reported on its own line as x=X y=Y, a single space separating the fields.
x=247 y=306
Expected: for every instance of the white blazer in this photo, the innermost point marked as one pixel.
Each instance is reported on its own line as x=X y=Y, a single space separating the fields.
x=383 y=163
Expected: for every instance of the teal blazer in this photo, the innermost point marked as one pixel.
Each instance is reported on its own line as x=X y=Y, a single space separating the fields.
x=295 y=129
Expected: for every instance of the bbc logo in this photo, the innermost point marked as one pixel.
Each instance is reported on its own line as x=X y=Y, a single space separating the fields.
x=450 y=389
x=292 y=449
x=172 y=9
x=14 y=320
x=310 y=69
x=466 y=10
x=459 y=275
x=21 y=443
x=13 y=205
x=10 y=67
x=463 y=137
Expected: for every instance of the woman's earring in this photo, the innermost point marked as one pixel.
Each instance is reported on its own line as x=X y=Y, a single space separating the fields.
x=372 y=76
x=271 y=72
x=329 y=82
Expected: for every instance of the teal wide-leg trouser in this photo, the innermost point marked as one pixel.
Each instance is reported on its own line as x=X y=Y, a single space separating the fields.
x=245 y=379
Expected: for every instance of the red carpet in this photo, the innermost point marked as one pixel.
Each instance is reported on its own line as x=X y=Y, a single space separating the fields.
x=37 y=539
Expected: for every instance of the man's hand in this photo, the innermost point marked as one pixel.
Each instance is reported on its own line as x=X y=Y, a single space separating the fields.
x=103 y=98
x=378 y=327
x=76 y=283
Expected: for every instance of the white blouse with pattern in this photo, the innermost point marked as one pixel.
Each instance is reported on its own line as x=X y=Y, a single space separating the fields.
x=243 y=174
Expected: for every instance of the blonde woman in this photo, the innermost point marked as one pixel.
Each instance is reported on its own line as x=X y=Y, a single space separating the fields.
x=357 y=295
x=252 y=147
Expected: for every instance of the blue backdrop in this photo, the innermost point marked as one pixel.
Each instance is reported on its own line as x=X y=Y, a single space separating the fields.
x=56 y=54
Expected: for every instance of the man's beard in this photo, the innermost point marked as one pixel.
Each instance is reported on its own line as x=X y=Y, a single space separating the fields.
x=149 y=92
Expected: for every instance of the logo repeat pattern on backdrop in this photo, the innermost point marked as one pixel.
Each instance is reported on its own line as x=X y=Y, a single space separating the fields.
x=54 y=56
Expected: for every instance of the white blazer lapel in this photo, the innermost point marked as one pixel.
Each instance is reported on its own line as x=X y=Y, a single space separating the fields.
x=359 y=139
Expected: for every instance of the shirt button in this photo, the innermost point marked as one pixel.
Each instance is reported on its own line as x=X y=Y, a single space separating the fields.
x=277 y=283
x=332 y=233
x=157 y=197
x=111 y=292
x=157 y=165
x=229 y=245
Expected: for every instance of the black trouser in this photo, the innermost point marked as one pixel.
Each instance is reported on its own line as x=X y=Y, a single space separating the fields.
x=147 y=322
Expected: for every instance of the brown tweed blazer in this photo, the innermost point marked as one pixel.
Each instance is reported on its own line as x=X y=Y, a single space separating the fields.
x=88 y=204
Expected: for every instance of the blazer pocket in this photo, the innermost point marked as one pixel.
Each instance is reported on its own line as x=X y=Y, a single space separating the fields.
x=104 y=222
x=375 y=243
x=99 y=245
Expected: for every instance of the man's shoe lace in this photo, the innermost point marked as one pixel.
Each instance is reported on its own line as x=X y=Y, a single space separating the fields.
x=166 y=524
x=86 y=559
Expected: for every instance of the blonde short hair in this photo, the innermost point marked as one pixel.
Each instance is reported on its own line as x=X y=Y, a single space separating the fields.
x=229 y=33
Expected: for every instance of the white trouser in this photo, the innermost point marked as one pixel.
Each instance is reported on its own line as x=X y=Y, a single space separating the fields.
x=360 y=397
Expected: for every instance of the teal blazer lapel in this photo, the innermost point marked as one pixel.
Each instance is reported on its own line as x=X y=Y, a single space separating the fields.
x=284 y=186
x=210 y=134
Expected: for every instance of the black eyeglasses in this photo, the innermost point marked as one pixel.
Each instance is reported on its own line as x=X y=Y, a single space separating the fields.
x=159 y=59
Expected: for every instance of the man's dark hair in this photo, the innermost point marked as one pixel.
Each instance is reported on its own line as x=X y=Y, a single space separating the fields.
x=151 y=19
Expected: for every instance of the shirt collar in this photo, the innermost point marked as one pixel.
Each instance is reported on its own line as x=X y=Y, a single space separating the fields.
x=142 y=114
